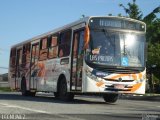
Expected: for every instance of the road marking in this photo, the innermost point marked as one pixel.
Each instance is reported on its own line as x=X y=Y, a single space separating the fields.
x=24 y=108
x=40 y=111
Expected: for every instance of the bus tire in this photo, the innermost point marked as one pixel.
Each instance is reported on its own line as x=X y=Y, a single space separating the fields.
x=110 y=98
x=31 y=93
x=56 y=94
x=63 y=94
x=23 y=87
x=24 y=90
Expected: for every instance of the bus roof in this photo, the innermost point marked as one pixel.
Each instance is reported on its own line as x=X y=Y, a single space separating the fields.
x=81 y=20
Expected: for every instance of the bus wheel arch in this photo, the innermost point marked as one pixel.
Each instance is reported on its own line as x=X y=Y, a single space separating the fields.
x=56 y=94
x=62 y=89
x=110 y=98
x=58 y=82
x=24 y=90
x=24 y=87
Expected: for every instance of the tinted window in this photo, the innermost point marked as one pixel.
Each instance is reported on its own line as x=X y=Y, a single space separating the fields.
x=65 y=42
x=53 y=46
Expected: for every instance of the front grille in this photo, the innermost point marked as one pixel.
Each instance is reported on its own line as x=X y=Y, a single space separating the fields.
x=116 y=90
x=111 y=88
x=118 y=80
x=116 y=69
x=120 y=70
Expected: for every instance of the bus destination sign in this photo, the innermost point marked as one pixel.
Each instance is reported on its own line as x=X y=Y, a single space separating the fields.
x=116 y=23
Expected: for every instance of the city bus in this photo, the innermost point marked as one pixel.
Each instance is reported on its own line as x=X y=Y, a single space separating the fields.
x=100 y=55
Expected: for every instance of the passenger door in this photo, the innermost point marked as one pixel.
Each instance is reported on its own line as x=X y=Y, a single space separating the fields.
x=18 y=68
x=33 y=66
x=77 y=60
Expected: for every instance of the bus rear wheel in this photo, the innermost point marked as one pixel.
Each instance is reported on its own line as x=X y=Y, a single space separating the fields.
x=31 y=93
x=23 y=87
x=56 y=95
x=110 y=98
x=24 y=90
x=63 y=94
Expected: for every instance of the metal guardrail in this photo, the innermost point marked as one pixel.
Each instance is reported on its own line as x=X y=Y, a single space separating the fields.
x=4 y=84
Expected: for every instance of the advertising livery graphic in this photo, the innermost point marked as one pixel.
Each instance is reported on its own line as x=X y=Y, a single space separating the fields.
x=103 y=55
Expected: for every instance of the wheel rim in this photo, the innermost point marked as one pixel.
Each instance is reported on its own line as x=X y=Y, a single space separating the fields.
x=63 y=89
x=23 y=87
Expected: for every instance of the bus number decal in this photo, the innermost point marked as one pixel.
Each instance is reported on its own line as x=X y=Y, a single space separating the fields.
x=101 y=58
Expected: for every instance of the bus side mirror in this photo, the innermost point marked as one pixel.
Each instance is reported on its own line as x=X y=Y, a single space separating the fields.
x=86 y=37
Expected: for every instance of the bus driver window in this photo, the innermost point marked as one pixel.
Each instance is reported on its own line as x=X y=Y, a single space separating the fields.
x=65 y=41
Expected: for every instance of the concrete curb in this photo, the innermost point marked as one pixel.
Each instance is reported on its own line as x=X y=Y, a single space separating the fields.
x=142 y=97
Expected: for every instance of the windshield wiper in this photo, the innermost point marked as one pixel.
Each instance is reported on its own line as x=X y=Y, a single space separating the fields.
x=107 y=35
x=121 y=37
x=124 y=47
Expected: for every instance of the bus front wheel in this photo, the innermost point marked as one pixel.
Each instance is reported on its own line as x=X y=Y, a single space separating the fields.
x=63 y=94
x=110 y=98
x=23 y=87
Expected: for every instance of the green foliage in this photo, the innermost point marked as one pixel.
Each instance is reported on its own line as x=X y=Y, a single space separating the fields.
x=153 y=31
x=132 y=10
x=5 y=89
x=151 y=16
x=120 y=15
x=153 y=26
x=154 y=59
x=152 y=35
x=110 y=14
x=153 y=54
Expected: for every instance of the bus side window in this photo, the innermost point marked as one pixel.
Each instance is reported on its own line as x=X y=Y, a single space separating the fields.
x=53 y=46
x=35 y=53
x=26 y=54
x=19 y=57
x=28 y=57
x=13 y=57
x=65 y=43
x=43 y=49
x=12 y=62
x=75 y=47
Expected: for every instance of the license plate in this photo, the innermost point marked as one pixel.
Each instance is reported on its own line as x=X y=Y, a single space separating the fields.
x=119 y=86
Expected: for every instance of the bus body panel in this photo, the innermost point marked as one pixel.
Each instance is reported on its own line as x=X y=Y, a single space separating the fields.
x=44 y=75
x=114 y=83
x=48 y=74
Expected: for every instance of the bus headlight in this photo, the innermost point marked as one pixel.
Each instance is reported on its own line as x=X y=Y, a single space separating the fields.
x=93 y=77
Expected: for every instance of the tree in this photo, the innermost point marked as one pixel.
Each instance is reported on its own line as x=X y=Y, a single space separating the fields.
x=153 y=55
x=152 y=36
x=153 y=26
x=151 y=16
x=153 y=39
x=132 y=10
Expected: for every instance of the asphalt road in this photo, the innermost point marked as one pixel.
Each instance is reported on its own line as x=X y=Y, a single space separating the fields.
x=46 y=107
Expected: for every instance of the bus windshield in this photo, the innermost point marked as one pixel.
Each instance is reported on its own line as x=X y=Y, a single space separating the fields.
x=114 y=48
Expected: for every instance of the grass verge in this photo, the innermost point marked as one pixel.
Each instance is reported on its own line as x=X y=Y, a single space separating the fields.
x=5 y=89
x=151 y=94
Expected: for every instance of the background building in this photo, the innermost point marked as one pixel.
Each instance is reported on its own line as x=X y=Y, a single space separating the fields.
x=4 y=77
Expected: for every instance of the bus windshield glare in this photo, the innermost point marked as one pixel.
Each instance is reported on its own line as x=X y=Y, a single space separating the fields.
x=112 y=48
